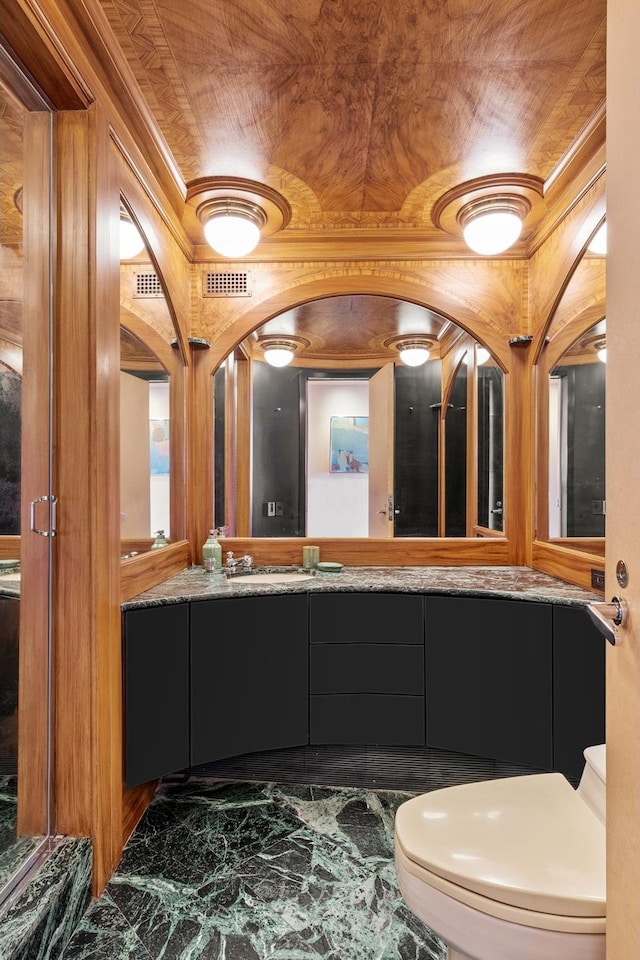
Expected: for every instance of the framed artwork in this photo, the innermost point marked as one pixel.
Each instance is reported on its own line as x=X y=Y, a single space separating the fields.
x=349 y=440
x=159 y=446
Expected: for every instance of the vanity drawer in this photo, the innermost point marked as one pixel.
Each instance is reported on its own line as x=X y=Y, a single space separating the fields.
x=367 y=718
x=366 y=618
x=366 y=668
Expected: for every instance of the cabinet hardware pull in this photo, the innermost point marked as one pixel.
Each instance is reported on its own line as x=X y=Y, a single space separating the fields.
x=52 y=500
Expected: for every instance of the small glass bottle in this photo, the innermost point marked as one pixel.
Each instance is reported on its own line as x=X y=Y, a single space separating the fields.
x=212 y=553
x=160 y=540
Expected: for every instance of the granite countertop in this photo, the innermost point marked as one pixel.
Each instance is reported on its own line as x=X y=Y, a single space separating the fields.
x=519 y=583
x=9 y=585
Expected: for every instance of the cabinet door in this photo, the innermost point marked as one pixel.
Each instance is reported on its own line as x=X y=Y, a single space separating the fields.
x=578 y=689
x=366 y=618
x=367 y=719
x=156 y=692
x=488 y=678
x=249 y=675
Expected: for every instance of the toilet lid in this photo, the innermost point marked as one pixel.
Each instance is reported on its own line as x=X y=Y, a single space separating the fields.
x=528 y=841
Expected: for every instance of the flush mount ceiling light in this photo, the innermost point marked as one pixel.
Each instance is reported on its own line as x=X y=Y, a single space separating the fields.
x=482 y=355
x=234 y=214
x=600 y=346
x=232 y=225
x=598 y=243
x=413 y=350
x=489 y=212
x=493 y=224
x=279 y=351
x=131 y=243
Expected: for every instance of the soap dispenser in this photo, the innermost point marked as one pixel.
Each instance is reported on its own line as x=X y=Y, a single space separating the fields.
x=212 y=553
x=160 y=540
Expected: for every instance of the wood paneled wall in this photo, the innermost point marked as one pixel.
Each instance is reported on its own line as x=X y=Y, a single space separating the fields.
x=34 y=550
x=103 y=149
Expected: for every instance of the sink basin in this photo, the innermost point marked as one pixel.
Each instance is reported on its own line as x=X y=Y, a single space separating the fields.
x=283 y=577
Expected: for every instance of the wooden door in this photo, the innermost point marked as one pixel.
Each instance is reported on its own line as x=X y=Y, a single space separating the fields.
x=381 y=416
x=623 y=477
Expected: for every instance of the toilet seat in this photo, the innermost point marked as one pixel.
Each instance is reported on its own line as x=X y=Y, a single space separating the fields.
x=524 y=849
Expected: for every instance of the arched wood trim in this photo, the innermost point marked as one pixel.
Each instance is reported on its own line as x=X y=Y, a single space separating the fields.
x=422 y=294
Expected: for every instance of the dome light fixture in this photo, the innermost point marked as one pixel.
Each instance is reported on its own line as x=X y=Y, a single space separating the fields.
x=600 y=346
x=279 y=351
x=232 y=225
x=131 y=243
x=482 y=355
x=598 y=242
x=493 y=224
x=414 y=349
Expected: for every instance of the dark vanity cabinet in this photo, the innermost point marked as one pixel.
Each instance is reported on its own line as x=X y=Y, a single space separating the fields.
x=579 y=652
x=518 y=681
x=156 y=691
x=249 y=675
x=514 y=680
x=489 y=678
x=366 y=669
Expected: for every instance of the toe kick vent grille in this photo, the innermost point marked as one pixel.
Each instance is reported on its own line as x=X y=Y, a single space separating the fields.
x=228 y=283
x=148 y=286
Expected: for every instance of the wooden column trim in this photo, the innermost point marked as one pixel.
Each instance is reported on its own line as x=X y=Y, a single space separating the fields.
x=472 y=449
x=200 y=451
x=243 y=431
x=230 y=444
x=442 y=472
x=88 y=767
x=104 y=454
x=519 y=467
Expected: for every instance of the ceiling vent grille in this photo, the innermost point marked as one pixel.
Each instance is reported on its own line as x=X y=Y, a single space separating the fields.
x=148 y=285
x=231 y=283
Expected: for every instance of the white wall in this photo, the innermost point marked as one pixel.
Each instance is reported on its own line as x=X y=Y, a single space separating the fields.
x=159 y=484
x=337 y=503
x=134 y=456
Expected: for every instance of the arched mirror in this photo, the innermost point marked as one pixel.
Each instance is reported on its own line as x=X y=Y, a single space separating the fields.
x=572 y=402
x=577 y=499
x=350 y=439
x=149 y=365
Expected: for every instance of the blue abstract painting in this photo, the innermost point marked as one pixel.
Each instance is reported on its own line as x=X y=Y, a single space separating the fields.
x=159 y=446
x=349 y=445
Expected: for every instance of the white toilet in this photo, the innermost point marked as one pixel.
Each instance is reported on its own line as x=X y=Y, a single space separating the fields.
x=510 y=869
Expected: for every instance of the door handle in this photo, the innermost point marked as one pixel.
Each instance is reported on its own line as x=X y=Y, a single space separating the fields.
x=52 y=500
x=608 y=617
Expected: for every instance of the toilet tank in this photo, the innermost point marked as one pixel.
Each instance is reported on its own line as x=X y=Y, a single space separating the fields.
x=592 y=786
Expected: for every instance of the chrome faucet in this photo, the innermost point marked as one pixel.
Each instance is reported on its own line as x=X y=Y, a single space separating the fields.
x=232 y=564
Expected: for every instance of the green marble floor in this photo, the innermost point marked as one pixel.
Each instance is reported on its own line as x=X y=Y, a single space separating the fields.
x=14 y=850
x=246 y=871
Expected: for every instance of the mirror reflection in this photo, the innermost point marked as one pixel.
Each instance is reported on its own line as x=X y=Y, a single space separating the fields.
x=10 y=428
x=25 y=130
x=572 y=502
x=146 y=328
x=144 y=440
x=577 y=404
x=349 y=440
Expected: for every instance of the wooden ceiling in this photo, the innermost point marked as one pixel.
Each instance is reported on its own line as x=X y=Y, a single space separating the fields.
x=366 y=116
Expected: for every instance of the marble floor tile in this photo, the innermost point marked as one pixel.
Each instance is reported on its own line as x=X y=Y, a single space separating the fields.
x=14 y=850
x=250 y=871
